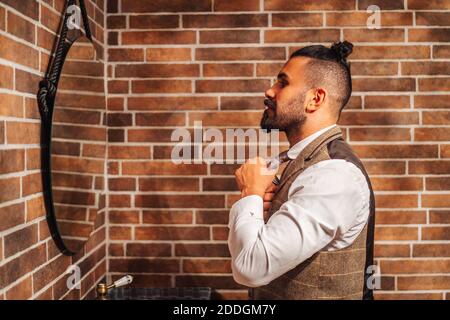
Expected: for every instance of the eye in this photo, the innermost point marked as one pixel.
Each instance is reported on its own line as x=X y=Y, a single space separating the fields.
x=282 y=83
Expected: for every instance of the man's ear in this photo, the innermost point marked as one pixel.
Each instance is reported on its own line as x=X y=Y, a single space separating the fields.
x=314 y=99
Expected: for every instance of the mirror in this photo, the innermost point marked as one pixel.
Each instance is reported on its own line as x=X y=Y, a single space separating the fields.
x=78 y=144
x=72 y=105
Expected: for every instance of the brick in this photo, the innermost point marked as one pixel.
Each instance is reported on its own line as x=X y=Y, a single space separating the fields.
x=157 y=70
x=380 y=134
x=172 y=103
x=169 y=184
x=390 y=52
x=22 y=133
x=400 y=216
x=164 y=6
x=376 y=35
x=437 y=282
x=21 y=291
x=434 y=84
x=236 y=5
x=119 y=201
x=228 y=70
x=172 y=233
x=391 y=250
x=115 y=54
x=12 y=160
x=161 y=86
x=297 y=20
x=429 y=35
x=22 y=265
x=118 y=86
x=374 y=68
x=35 y=208
x=20 y=240
x=30 y=9
x=429 y=167
x=180 y=201
x=119 y=233
x=296 y=35
x=20 y=27
x=298 y=5
x=219 y=118
x=2 y=19
x=158 y=37
x=439 y=216
x=414 y=266
x=211 y=217
x=441 y=51
x=220 y=233
x=396 y=151
x=116 y=22
x=167 y=217
x=202 y=250
x=162 y=168
x=12 y=215
x=10 y=189
x=201 y=21
x=360 y=19
x=431 y=134
x=149 y=135
x=435 y=233
x=119 y=119
x=396 y=201
x=206 y=266
x=431 y=101
x=49 y=18
x=154 y=22
x=203 y=86
x=128 y=152
x=397 y=184
x=428 y=68
x=241 y=103
x=233 y=54
x=144 y=265
x=434 y=201
x=433 y=18
x=122 y=184
x=431 y=250
x=11 y=105
x=149 y=250
x=168 y=54
x=229 y=36
x=18 y=52
x=31 y=184
x=378 y=118
x=432 y=4
x=28 y=82
x=7 y=78
x=407 y=296
x=396 y=233
x=116 y=250
x=383 y=84
x=383 y=4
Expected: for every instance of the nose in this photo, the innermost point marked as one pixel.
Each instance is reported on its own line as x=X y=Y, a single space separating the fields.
x=270 y=93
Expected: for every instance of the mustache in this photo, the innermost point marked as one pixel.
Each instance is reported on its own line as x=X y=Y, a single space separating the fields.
x=269 y=103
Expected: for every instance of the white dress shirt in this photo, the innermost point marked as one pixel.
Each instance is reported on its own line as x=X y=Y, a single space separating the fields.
x=327 y=213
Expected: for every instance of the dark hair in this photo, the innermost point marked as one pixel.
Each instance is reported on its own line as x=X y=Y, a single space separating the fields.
x=329 y=66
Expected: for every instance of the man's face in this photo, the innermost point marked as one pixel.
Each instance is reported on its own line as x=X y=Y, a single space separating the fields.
x=285 y=99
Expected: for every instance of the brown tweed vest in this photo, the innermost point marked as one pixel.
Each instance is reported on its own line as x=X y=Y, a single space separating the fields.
x=327 y=274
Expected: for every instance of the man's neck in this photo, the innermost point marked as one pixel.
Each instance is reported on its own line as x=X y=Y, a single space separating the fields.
x=297 y=134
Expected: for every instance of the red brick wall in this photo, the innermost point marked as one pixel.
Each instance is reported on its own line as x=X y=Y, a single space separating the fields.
x=30 y=264
x=173 y=62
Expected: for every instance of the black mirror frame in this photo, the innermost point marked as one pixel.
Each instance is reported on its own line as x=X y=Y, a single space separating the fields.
x=46 y=99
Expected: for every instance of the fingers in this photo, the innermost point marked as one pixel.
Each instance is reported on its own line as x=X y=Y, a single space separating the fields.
x=272 y=188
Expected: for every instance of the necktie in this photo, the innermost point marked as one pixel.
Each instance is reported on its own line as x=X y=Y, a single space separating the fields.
x=274 y=163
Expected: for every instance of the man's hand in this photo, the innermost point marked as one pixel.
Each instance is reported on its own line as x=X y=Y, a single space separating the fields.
x=253 y=177
x=268 y=196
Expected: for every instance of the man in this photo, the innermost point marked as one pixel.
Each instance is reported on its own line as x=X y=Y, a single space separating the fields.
x=318 y=240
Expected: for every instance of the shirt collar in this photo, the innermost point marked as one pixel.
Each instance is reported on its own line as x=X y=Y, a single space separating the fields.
x=295 y=150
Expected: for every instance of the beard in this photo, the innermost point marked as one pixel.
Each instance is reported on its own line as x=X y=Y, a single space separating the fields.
x=283 y=117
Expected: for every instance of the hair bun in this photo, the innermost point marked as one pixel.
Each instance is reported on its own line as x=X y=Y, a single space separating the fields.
x=342 y=49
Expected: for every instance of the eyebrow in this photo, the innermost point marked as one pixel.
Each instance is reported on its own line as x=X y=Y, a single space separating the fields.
x=283 y=75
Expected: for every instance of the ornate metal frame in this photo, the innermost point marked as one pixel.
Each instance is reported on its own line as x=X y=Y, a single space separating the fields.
x=46 y=99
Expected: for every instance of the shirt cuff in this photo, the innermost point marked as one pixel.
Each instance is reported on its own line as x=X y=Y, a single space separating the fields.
x=249 y=207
